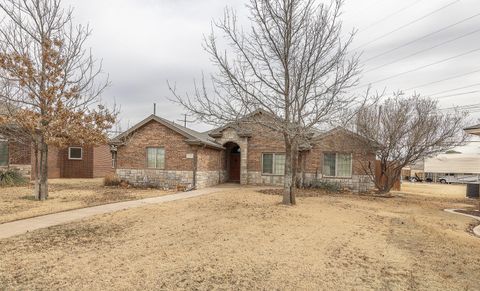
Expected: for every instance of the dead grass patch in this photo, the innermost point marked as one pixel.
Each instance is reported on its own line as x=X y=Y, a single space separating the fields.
x=65 y=194
x=241 y=239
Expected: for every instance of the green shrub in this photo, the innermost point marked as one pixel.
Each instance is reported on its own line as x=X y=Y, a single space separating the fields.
x=326 y=185
x=111 y=180
x=11 y=177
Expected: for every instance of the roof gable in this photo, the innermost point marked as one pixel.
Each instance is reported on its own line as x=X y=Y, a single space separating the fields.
x=339 y=129
x=192 y=137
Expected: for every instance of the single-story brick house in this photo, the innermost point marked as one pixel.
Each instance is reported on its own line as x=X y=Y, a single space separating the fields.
x=71 y=162
x=161 y=153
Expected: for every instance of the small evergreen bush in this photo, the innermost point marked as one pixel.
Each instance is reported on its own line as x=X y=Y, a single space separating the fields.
x=9 y=178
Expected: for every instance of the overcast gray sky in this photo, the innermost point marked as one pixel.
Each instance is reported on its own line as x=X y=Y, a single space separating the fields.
x=145 y=42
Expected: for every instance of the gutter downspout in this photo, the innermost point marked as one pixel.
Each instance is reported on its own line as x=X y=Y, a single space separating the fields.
x=195 y=167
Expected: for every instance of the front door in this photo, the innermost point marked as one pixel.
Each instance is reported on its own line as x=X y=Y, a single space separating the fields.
x=234 y=167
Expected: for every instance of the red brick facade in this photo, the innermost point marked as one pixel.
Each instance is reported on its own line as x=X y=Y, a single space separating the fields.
x=252 y=139
x=133 y=155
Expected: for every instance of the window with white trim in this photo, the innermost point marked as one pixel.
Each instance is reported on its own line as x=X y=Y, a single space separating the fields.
x=75 y=153
x=3 y=153
x=156 y=158
x=337 y=165
x=273 y=164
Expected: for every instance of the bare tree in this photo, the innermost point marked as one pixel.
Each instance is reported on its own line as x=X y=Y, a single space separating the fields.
x=292 y=63
x=49 y=80
x=405 y=131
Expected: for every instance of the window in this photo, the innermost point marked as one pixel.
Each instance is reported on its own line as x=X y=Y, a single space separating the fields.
x=337 y=165
x=3 y=153
x=75 y=153
x=156 y=158
x=273 y=164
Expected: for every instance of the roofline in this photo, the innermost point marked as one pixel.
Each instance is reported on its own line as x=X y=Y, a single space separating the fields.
x=190 y=138
x=215 y=132
x=332 y=131
x=473 y=129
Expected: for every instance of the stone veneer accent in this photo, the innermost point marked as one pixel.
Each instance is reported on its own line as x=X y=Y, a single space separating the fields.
x=230 y=135
x=358 y=183
x=156 y=178
x=25 y=170
x=210 y=178
x=170 y=179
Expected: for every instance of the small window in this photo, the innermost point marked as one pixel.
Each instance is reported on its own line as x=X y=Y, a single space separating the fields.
x=273 y=164
x=75 y=153
x=156 y=158
x=3 y=153
x=337 y=165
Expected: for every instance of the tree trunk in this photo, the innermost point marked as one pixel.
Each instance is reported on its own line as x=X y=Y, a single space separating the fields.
x=289 y=185
x=41 y=181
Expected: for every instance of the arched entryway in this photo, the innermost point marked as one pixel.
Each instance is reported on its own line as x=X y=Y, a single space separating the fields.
x=233 y=161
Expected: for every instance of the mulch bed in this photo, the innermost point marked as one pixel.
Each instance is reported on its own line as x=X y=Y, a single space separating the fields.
x=469 y=212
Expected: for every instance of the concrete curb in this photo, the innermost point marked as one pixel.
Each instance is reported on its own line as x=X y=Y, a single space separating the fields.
x=23 y=226
x=476 y=230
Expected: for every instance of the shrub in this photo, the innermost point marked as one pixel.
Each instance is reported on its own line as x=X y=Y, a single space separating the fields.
x=111 y=180
x=326 y=185
x=11 y=177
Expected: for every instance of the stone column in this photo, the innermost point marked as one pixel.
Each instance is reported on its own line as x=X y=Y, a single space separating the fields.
x=244 y=161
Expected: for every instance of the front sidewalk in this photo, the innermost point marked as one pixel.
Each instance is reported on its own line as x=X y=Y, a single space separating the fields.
x=19 y=227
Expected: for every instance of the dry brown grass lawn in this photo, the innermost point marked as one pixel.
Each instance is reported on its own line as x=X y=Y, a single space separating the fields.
x=435 y=190
x=241 y=239
x=65 y=194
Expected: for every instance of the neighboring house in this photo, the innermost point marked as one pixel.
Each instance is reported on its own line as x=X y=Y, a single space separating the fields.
x=456 y=164
x=473 y=130
x=15 y=155
x=159 y=152
x=71 y=162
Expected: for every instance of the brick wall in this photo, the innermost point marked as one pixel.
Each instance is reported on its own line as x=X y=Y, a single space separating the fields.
x=263 y=140
x=338 y=142
x=211 y=160
x=54 y=163
x=133 y=155
x=102 y=161
x=77 y=168
x=19 y=154
x=132 y=160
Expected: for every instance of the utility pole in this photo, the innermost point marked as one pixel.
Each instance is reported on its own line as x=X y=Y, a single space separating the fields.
x=185 y=120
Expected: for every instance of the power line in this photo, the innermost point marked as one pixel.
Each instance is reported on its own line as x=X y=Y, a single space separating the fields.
x=389 y=16
x=423 y=67
x=425 y=36
x=443 y=80
x=408 y=24
x=456 y=89
x=424 y=50
x=458 y=94
x=468 y=106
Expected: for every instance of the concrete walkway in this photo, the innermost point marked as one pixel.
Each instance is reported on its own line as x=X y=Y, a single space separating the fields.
x=476 y=230
x=19 y=227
